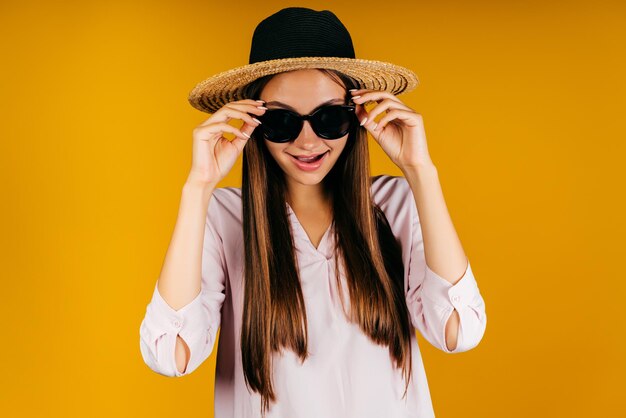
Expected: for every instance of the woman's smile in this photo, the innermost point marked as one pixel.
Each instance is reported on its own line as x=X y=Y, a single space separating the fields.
x=310 y=164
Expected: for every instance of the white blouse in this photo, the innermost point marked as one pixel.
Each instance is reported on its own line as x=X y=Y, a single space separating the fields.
x=346 y=374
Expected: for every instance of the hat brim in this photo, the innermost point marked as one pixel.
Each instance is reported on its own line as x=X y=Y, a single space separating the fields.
x=214 y=92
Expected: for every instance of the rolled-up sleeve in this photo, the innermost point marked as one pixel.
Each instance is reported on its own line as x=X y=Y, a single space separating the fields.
x=438 y=299
x=431 y=299
x=197 y=322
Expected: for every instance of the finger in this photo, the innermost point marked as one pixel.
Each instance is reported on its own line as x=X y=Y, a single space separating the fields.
x=249 y=128
x=226 y=113
x=386 y=105
x=236 y=111
x=246 y=117
x=410 y=118
x=365 y=119
x=214 y=131
x=378 y=100
x=361 y=113
x=245 y=102
x=239 y=143
x=254 y=106
x=367 y=95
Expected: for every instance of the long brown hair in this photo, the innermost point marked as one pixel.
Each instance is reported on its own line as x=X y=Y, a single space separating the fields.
x=274 y=314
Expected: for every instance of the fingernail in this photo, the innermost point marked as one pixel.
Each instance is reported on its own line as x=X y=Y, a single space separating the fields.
x=375 y=125
x=353 y=90
x=355 y=97
x=256 y=120
x=246 y=135
x=260 y=101
x=262 y=107
x=364 y=121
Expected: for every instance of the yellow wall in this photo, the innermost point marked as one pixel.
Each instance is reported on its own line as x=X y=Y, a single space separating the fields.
x=523 y=104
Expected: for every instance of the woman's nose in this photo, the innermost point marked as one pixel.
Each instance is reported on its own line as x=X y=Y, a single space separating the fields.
x=308 y=139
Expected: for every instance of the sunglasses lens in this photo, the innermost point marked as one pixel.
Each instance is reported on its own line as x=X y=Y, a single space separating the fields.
x=333 y=122
x=279 y=125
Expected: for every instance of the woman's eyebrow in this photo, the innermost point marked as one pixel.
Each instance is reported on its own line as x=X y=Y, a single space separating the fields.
x=277 y=103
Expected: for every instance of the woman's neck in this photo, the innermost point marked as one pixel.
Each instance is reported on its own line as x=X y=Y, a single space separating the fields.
x=307 y=196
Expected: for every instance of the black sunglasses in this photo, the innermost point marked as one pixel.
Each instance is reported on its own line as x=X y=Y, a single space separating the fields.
x=328 y=122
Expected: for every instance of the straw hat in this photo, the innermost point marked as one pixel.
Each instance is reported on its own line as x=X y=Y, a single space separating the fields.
x=295 y=38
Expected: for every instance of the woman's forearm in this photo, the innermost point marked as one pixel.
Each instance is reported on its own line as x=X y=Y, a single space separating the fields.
x=442 y=248
x=180 y=279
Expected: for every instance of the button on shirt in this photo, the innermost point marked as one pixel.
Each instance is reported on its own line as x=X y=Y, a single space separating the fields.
x=346 y=374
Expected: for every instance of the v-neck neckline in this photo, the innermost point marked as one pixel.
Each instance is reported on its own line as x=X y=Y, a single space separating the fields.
x=321 y=247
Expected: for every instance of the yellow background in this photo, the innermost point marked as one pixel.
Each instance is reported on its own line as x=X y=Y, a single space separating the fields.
x=523 y=104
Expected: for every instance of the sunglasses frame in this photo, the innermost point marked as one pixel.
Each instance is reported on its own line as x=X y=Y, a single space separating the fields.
x=310 y=118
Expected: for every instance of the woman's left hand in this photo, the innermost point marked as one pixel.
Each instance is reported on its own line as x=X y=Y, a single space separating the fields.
x=400 y=132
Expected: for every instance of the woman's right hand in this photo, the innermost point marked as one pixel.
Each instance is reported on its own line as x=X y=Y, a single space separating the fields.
x=214 y=155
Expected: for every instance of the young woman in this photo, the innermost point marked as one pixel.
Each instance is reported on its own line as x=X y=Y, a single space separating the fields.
x=316 y=274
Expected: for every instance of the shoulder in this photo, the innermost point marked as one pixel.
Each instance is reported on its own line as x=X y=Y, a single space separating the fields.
x=224 y=209
x=226 y=198
x=394 y=196
x=390 y=190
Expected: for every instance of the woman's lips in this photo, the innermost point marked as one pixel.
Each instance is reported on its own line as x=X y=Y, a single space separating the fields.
x=312 y=166
x=308 y=156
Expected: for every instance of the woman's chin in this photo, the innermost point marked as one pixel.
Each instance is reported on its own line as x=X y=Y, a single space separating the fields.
x=309 y=179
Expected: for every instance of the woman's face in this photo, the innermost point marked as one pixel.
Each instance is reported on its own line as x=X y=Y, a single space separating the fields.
x=302 y=91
